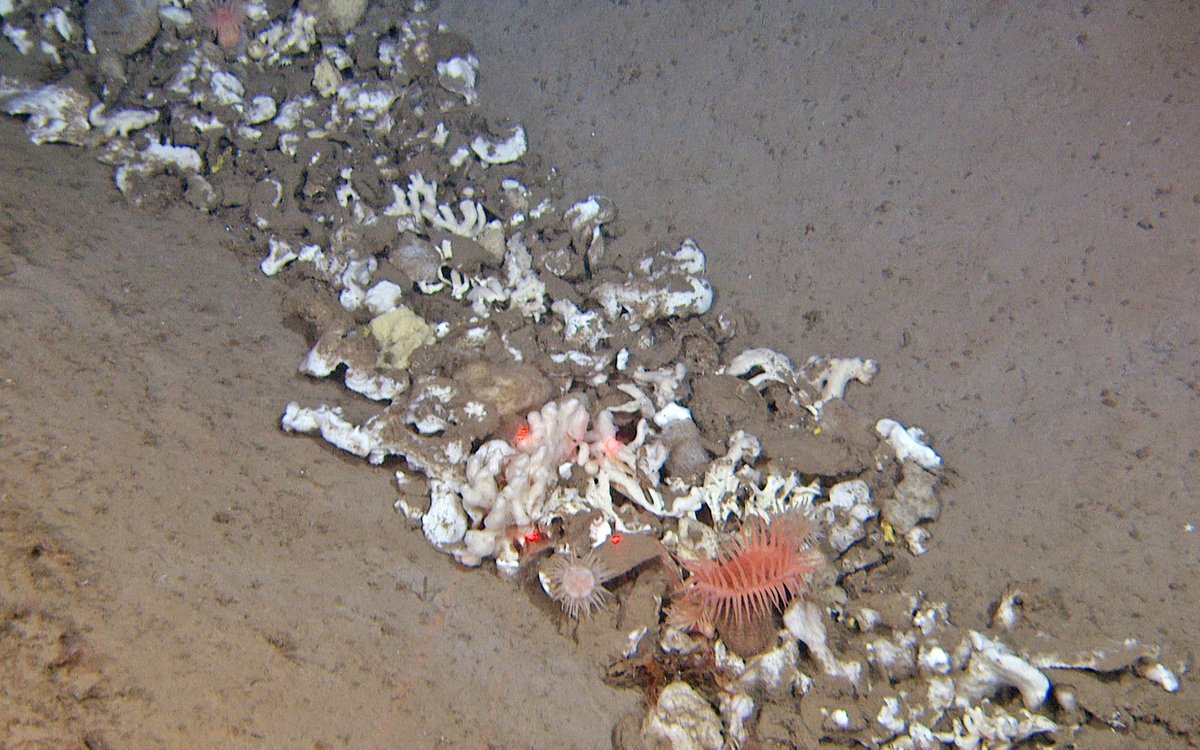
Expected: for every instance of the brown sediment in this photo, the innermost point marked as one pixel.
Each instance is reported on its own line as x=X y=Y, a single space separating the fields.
x=622 y=553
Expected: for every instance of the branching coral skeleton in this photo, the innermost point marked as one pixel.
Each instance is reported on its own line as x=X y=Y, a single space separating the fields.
x=419 y=203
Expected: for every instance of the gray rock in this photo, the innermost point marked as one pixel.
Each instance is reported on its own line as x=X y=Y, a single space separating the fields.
x=120 y=26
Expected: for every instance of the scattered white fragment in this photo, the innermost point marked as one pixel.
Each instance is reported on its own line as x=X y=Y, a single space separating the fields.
x=19 y=38
x=383 y=297
x=993 y=666
x=763 y=366
x=166 y=154
x=830 y=376
x=504 y=151
x=280 y=255
x=931 y=616
x=773 y=672
x=840 y=718
x=1160 y=675
x=1007 y=613
x=934 y=659
x=411 y=513
x=260 y=109
x=676 y=641
x=50 y=51
x=56 y=113
x=583 y=328
x=122 y=122
x=56 y=18
x=667 y=285
x=682 y=719
x=917 y=539
x=977 y=729
x=158 y=156
x=175 y=15
x=891 y=715
x=721 y=481
x=205 y=124
x=371 y=103
x=338 y=56
x=805 y=621
x=419 y=204
x=227 y=88
x=334 y=428
x=282 y=40
x=737 y=710
x=457 y=75
x=847 y=495
x=908 y=443
x=672 y=412
x=941 y=693
x=895 y=657
x=441 y=134
x=444 y=523
x=325 y=78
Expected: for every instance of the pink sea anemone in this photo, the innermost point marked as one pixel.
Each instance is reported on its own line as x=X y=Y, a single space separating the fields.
x=576 y=582
x=758 y=574
x=225 y=18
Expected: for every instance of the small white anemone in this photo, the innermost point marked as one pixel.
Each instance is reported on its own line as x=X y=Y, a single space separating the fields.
x=576 y=582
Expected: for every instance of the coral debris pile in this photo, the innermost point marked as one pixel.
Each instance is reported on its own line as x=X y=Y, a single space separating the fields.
x=550 y=398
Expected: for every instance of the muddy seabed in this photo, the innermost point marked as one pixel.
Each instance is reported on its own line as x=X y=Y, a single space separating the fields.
x=977 y=220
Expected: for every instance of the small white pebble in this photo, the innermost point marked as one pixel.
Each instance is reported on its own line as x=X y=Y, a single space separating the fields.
x=935 y=660
x=1159 y=674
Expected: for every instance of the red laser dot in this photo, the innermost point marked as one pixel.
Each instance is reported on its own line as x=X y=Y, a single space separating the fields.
x=612 y=445
x=522 y=434
x=534 y=536
x=615 y=539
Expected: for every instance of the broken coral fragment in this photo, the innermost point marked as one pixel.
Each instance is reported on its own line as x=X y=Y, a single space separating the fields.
x=908 y=443
x=500 y=150
x=336 y=348
x=444 y=523
x=806 y=622
x=993 y=665
x=457 y=75
x=55 y=113
x=667 y=285
x=682 y=719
